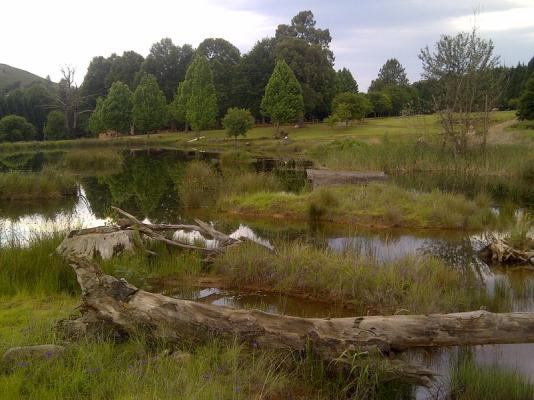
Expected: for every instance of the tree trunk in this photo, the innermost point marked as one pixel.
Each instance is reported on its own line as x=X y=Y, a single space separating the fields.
x=129 y=309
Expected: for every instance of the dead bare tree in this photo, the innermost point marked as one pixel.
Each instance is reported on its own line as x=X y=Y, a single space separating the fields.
x=469 y=86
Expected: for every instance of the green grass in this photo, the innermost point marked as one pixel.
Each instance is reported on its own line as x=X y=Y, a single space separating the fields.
x=414 y=285
x=473 y=382
x=35 y=269
x=141 y=369
x=373 y=204
x=47 y=184
x=260 y=141
x=429 y=158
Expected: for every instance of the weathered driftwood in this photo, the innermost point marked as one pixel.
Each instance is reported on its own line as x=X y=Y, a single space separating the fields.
x=499 y=251
x=129 y=309
x=107 y=241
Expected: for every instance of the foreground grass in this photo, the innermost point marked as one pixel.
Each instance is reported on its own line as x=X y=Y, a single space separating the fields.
x=142 y=369
x=374 y=204
x=47 y=184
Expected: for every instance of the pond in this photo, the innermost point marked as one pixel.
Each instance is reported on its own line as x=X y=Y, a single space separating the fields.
x=147 y=186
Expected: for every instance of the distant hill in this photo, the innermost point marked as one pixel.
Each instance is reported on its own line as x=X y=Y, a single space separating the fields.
x=12 y=78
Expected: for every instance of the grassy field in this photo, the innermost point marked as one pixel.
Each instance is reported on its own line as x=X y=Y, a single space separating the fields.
x=260 y=141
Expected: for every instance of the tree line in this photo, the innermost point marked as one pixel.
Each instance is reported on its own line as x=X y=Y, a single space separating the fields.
x=179 y=87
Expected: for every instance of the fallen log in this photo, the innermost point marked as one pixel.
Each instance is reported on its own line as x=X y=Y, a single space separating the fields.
x=128 y=309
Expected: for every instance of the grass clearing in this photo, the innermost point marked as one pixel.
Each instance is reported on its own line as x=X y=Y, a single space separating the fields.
x=374 y=204
x=47 y=184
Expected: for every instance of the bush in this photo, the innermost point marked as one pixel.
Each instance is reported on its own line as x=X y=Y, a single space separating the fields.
x=237 y=121
x=55 y=128
x=14 y=128
x=200 y=186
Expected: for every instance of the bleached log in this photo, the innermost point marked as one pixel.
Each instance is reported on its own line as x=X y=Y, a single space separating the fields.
x=129 y=309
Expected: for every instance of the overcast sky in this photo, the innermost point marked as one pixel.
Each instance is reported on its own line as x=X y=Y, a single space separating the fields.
x=41 y=36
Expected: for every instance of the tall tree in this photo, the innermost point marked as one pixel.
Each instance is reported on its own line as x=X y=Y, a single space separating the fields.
x=223 y=59
x=306 y=50
x=94 y=82
x=526 y=102
x=303 y=27
x=124 y=68
x=149 y=105
x=392 y=73
x=253 y=73
x=345 y=82
x=168 y=63
x=283 y=100
x=464 y=66
x=199 y=96
x=117 y=108
x=70 y=100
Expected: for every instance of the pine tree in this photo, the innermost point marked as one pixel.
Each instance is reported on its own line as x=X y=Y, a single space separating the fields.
x=198 y=94
x=345 y=82
x=117 y=108
x=149 y=105
x=526 y=103
x=283 y=101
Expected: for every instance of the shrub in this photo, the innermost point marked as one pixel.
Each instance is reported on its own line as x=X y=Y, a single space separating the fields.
x=237 y=122
x=55 y=128
x=14 y=128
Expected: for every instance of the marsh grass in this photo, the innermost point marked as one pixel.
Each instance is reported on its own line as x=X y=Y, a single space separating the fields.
x=470 y=381
x=520 y=233
x=47 y=184
x=35 y=269
x=92 y=160
x=415 y=285
x=373 y=204
x=403 y=158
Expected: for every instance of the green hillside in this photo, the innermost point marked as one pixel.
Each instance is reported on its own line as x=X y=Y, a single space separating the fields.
x=12 y=78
